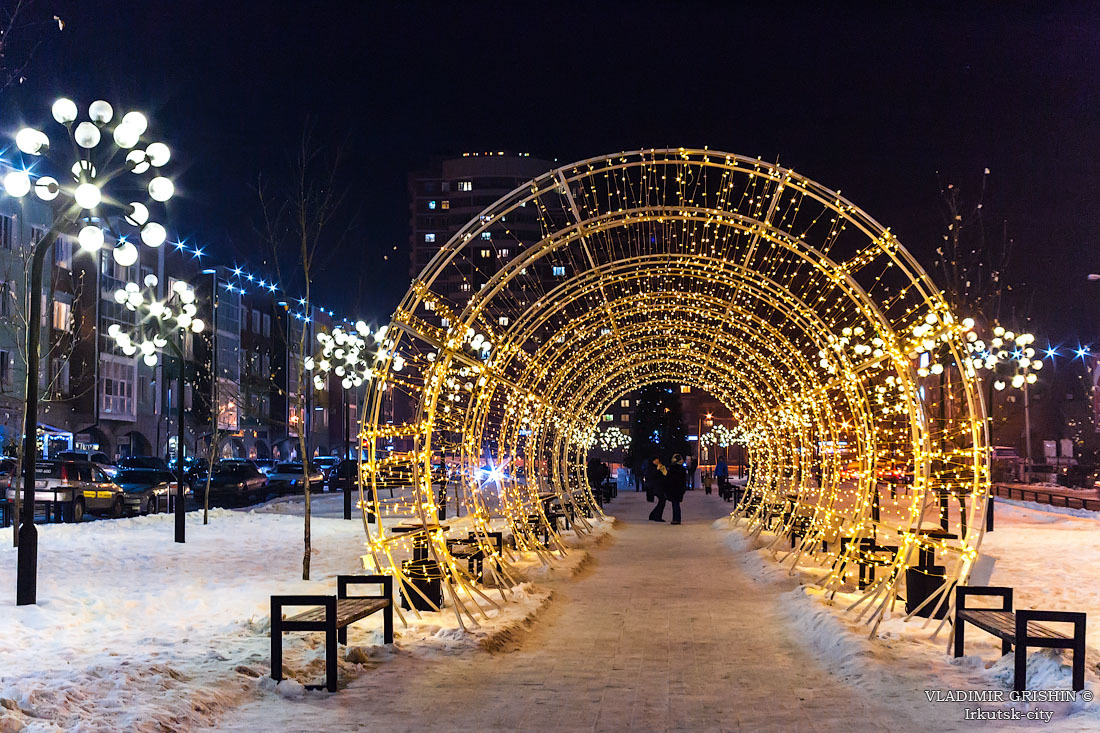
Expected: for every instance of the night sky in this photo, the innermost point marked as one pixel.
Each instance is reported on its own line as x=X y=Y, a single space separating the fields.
x=882 y=105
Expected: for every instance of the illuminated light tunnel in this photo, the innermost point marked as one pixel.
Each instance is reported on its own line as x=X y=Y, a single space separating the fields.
x=793 y=307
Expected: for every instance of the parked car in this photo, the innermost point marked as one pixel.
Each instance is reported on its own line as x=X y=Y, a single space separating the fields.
x=325 y=464
x=81 y=486
x=97 y=457
x=343 y=476
x=193 y=467
x=231 y=481
x=287 y=478
x=7 y=468
x=145 y=490
x=142 y=462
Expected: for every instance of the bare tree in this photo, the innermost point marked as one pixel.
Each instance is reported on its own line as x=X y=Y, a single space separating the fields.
x=971 y=263
x=300 y=223
x=19 y=24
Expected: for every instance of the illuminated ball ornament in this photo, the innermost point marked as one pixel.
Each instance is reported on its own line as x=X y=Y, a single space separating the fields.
x=64 y=111
x=101 y=112
x=47 y=188
x=125 y=254
x=90 y=238
x=153 y=234
x=158 y=154
x=87 y=135
x=17 y=184
x=87 y=195
x=31 y=141
x=161 y=189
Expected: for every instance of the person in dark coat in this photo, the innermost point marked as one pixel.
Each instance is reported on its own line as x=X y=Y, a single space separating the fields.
x=655 y=477
x=676 y=485
x=651 y=477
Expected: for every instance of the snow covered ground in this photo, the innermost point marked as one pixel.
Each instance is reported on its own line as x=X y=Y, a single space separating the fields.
x=135 y=632
x=1047 y=555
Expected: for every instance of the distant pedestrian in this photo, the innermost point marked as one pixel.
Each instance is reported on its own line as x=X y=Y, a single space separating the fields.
x=655 y=486
x=651 y=477
x=722 y=475
x=691 y=466
x=676 y=485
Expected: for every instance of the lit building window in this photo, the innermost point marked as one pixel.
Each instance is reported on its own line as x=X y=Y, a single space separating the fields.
x=431 y=205
x=444 y=322
x=624 y=403
x=62 y=316
x=503 y=252
x=608 y=418
x=684 y=389
x=465 y=287
x=444 y=204
x=486 y=235
x=486 y=253
x=465 y=185
x=624 y=418
x=559 y=271
x=503 y=320
x=430 y=237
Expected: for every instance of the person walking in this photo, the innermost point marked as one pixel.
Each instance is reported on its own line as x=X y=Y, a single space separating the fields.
x=656 y=476
x=676 y=485
x=692 y=465
x=722 y=475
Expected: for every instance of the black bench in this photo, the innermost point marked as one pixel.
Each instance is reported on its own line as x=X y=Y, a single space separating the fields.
x=1021 y=628
x=798 y=526
x=868 y=559
x=332 y=615
x=469 y=550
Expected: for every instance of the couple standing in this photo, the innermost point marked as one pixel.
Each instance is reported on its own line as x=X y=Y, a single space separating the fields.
x=666 y=483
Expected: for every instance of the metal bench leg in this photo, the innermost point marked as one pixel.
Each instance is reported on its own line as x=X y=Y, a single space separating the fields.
x=276 y=641
x=958 y=643
x=330 y=646
x=1019 y=683
x=387 y=628
x=1006 y=646
x=1079 y=666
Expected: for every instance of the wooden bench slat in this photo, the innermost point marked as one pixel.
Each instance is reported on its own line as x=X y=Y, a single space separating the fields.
x=1003 y=624
x=348 y=610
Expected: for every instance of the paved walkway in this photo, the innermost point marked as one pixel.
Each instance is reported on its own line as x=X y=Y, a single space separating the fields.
x=663 y=633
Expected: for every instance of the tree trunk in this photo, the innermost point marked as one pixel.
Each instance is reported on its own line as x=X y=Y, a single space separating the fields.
x=305 y=482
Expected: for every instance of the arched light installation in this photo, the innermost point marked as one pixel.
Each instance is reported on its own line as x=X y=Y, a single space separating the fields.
x=792 y=306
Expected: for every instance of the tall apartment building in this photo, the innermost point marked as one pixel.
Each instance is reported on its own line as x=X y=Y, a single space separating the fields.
x=453 y=191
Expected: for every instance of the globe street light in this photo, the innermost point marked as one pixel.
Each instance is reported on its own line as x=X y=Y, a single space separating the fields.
x=158 y=319
x=100 y=193
x=345 y=354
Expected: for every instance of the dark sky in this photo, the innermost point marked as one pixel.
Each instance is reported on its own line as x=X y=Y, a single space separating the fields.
x=875 y=103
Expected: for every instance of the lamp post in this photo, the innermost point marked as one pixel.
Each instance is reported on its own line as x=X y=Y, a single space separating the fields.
x=344 y=354
x=159 y=320
x=94 y=166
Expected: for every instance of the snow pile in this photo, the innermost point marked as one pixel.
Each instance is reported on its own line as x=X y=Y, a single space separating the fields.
x=135 y=632
x=1031 y=557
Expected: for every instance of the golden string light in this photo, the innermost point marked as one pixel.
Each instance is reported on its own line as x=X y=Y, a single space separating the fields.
x=793 y=307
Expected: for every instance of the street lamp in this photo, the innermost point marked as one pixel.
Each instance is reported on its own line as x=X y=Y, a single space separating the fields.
x=104 y=150
x=158 y=319
x=344 y=353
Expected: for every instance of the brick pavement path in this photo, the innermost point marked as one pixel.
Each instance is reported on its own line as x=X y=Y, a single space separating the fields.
x=663 y=633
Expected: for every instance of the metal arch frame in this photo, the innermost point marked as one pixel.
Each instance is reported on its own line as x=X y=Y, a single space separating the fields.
x=962 y=469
